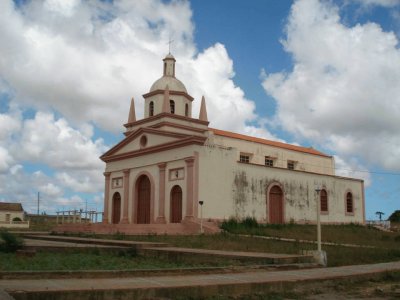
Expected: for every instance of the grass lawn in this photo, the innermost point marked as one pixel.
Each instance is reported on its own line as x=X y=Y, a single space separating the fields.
x=387 y=243
x=337 y=255
x=92 y=260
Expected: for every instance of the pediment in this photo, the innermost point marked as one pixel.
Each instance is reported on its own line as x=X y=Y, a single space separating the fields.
x=144 y=138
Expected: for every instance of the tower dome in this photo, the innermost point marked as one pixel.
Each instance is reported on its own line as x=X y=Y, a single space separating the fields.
x=168 y=77
x=168 y=94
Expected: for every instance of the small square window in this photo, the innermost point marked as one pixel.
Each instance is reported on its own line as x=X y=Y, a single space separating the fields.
x=290 y=165
x=269 y=162
x=244 y=158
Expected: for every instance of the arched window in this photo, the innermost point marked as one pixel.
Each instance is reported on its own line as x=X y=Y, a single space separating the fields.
x=349 y=203
x=172 y=106
x=324 y=201
x=151 y=109
x=187 y=110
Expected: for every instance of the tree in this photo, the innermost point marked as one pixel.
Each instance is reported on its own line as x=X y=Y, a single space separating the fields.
x=395 y=216
x=380 y=214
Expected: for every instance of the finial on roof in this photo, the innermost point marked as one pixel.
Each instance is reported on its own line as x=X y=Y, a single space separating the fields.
x=169 y=45
x=203 y=110
x=132 y=114
x=166 y=106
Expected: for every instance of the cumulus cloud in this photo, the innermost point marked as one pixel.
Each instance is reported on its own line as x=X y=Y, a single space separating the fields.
x=96 y=55
x=72 y=66
x=352 y=169
x=53 y=142
x=343 y=91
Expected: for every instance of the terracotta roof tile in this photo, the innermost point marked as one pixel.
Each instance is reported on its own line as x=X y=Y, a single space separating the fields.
x=267 y=142
x=4 y=206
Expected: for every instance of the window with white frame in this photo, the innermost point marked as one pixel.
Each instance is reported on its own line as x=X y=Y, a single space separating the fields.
x=244 y=158
x=269 y=161
x=291 y=165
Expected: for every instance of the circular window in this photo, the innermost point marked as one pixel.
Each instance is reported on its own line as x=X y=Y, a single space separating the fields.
x=143 y=141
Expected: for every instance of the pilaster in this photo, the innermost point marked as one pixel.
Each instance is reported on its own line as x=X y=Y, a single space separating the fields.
x=106 y=196
x=125 y=218
x=189 y=187
x=161 y=190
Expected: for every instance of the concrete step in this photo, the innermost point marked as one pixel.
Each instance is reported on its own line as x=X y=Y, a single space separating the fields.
x=207 y=255
x=185 y=227
x=120 y=243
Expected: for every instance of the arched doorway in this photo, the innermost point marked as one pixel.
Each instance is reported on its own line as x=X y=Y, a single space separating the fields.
x=176 y=204
x=116 y=208
x=275 y=205
x=143 y=203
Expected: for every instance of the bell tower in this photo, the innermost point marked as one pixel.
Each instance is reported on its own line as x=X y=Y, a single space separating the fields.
x=169 y=65
x=168 y=94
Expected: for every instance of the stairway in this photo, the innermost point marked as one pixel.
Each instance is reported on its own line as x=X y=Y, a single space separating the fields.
x=183 y=228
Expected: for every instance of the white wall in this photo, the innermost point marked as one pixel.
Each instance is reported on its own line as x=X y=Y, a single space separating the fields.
x=229 y=188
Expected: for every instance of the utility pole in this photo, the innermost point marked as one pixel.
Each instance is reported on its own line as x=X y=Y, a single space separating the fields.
x=318 y=190
x=38 y=202
x=85 y=210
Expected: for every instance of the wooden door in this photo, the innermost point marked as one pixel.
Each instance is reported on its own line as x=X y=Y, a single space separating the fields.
x=176 y=204
x=116 y=208
x=143 y=204
x=276 y=205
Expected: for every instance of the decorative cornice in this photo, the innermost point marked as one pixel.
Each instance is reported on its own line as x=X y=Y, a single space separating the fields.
x=132 y=135
x=177 y=93
x=191 y=140
x=162 y=115
x=179 y=126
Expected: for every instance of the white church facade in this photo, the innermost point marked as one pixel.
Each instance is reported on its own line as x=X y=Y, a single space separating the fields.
x=169 y=162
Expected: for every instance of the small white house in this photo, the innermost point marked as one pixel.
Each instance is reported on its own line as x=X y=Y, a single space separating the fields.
x=12 y=215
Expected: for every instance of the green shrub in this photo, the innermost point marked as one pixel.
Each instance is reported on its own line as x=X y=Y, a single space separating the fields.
x=10 y=242
x=119 y=236
x=250 y=222
x=17 y=219
x=230 y=225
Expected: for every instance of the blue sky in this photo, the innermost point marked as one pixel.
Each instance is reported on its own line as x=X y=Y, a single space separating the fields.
x=324 y=74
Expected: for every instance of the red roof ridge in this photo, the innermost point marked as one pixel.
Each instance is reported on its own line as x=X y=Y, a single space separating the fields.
x=267 y=142
x=8 y=206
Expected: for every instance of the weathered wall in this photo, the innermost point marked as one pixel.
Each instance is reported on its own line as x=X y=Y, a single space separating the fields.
x=13 y=214
x=305 y=162
x=236 y=189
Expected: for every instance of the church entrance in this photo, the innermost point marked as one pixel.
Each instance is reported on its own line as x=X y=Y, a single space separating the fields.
x=116 y=208
x=276 y=205
x=143 y=203
x=176 y=204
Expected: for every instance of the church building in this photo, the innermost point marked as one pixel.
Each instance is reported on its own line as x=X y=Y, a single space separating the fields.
x=172 y=169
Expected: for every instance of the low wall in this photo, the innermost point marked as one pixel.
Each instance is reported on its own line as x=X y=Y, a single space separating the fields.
x=15 y=224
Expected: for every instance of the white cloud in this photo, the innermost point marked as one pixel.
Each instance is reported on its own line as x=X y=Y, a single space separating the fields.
x=352 y=169
x=5 y=160
x=88 y=182
x=72 y=66
x=53 y=142
x=343 y=91
x=50 y=189
x=95 y=56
